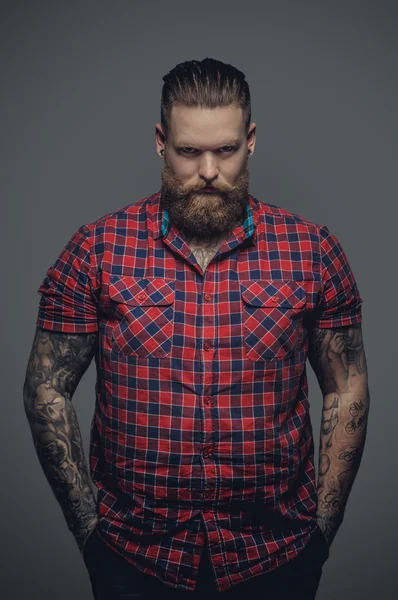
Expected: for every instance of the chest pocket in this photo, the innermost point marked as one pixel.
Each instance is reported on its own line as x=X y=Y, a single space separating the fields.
x=273 y=311
x=143 y=311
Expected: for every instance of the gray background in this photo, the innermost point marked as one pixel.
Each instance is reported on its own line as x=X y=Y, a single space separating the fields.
x=81 y=85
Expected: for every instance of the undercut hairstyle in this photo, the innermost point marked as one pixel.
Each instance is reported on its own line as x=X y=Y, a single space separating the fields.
x=208 y=83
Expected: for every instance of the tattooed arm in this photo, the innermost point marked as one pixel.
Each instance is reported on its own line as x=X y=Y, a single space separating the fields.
x=338 y=359
x=56 y=364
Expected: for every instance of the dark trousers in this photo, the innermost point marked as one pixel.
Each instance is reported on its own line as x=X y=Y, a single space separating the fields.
x=113 y=578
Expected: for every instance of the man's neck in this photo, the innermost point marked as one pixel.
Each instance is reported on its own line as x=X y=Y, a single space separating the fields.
x=204 y=248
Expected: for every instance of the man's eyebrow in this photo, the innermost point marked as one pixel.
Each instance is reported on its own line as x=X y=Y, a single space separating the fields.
x=186 y=144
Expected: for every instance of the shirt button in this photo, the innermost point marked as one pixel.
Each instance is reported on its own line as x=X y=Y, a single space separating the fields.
x=141 y=296
x=206 y=509
x=207 y=297
x=207 y=399
x=207 y=346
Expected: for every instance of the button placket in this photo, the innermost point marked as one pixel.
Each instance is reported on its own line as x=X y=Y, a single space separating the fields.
x=207 y=452
x=209 y=333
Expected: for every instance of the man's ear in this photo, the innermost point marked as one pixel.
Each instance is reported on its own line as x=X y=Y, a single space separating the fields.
x=251 y=138
x=160 y=138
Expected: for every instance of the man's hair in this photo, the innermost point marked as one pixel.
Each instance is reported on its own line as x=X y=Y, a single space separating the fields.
x=208 y=83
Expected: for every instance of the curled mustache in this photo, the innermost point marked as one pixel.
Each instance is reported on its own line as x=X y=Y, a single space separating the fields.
x=195 y=188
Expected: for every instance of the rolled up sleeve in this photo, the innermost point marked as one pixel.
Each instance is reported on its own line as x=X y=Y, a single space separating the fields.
x=340 y=302
x=68 y=301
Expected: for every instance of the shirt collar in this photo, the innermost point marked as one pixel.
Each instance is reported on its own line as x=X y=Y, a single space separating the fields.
x=161 y=222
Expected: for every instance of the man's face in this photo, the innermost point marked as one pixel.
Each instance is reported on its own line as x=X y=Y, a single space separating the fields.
x=206 y=148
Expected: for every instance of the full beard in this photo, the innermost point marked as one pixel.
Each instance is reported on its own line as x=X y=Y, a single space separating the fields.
x=203 y=214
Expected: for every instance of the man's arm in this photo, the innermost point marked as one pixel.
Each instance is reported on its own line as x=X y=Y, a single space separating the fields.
x=56 y=364
x=337 y=357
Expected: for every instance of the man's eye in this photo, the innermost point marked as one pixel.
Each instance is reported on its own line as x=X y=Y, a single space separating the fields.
x=223 y=150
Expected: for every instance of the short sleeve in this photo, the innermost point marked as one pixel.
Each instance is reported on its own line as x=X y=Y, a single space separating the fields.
x=68 y=301
x=340 y=302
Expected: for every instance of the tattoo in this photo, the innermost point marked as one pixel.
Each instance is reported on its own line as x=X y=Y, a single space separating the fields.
x=318 y=335
x=359 y=414
x=330 y=418
x=203 y=249
x=338 y=359
x=331 y=497
x=352 y=455
x=324 y=464
x=316 y=348
x=56 y=364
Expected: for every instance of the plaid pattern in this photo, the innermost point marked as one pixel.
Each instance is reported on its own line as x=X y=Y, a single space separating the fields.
x=145 y=327
x=201 y=425
x=273 y=333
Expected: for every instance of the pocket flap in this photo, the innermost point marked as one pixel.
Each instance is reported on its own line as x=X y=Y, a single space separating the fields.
x=273 y=292
x=141 y=292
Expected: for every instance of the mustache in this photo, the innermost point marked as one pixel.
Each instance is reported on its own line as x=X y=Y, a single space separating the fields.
x=193 y=188
x=180 y=189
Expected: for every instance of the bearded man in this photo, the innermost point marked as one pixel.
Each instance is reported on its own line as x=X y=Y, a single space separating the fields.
x=201 y=305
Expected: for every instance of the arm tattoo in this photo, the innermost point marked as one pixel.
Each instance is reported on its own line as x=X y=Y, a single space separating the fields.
x=56 y=364
x=337 y=357
x=317 y=337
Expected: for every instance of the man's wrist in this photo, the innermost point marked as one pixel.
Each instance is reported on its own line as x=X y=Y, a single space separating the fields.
x=81 y=535
x=329 y=526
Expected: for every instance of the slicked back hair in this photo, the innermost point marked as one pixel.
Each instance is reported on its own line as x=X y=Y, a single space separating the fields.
x=208 y=83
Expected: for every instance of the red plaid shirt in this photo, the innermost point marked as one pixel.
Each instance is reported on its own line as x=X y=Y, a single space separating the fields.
x=201 y=425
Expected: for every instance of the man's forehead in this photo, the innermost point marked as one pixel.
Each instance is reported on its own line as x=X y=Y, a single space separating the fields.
x=192 y=125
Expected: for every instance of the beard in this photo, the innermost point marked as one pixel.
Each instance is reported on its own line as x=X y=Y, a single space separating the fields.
x=205 y=214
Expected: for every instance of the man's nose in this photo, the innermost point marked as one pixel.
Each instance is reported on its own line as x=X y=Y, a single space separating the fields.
x=208 y=168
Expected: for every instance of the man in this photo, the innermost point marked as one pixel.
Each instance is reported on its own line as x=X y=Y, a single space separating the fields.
x=201 y=305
